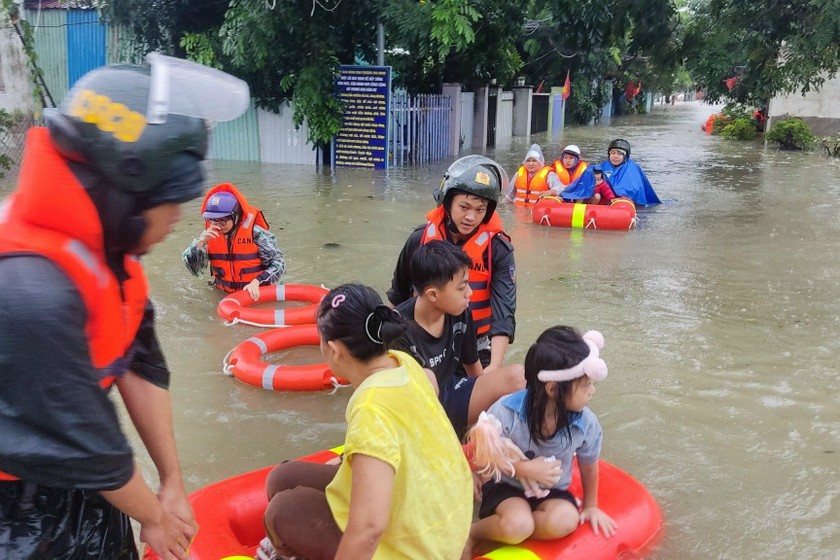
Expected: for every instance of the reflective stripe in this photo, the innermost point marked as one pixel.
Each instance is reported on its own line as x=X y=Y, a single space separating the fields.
x=431 y=230
x=81 y=252
x=511 y=553
x=279 y=316
x=5 y=205
x=268 y=376
x=233 y=256
x=246 y=222
x=260 y=344
x=280 y=292
x=230 y=299
x=578 y=213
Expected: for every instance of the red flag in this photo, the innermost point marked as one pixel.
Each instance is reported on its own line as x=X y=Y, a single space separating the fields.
x=730 y=82
x=539 y=87
x=566 y=90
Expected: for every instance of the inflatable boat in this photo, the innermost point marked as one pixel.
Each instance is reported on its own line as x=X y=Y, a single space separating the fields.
x=553 y=211
x=230 y=513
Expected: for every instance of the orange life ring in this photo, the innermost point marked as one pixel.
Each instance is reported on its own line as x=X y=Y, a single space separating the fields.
x=245 y=362
x=235 y=308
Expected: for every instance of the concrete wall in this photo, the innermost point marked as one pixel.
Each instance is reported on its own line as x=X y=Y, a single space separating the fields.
x=465 y=141
x=820 y=109
x=504 y=118
x=15 y=90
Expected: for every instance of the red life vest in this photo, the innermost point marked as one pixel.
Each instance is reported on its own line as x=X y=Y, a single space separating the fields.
x=234 y=258
x=34 y=222
x=563 y=174
x=528 y=190
x=476 y=247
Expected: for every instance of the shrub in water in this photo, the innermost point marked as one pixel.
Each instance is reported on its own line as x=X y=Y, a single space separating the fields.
x=740 y=128
x=792 y=134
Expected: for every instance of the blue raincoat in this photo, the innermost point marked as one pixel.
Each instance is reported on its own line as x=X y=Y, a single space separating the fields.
x=630 y=181
x=582 y=187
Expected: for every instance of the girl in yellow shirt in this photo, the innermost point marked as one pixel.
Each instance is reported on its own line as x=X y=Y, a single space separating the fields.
x=411 y=485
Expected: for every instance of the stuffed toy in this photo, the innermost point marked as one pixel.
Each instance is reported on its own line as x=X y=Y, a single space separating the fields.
x=491 y=454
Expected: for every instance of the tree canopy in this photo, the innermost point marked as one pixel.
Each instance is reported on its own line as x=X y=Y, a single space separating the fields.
x=750 y=50
x=290 y=49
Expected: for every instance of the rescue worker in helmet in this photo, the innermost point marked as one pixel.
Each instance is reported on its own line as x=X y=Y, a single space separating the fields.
x=575 y=175
x=466 y=216
x=98 y=187
x=242 y=254
x=625 y=176
x=533 y=180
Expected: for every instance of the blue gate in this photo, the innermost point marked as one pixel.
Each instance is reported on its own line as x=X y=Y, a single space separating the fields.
x=419 y=128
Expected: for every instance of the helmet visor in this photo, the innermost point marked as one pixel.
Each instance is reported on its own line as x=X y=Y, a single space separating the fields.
x=202 y=92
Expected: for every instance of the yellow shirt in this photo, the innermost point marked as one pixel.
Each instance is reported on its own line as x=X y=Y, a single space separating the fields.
x=394 y=416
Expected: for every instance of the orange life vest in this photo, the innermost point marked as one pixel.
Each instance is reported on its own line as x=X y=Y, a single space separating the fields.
x=34 y=222
x=475 y=247
x=234 y=258
x=528 y=189
x=563 y=174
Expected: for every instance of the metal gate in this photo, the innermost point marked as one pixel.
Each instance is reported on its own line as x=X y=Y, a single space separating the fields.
x=419 y=128
x=492 y=110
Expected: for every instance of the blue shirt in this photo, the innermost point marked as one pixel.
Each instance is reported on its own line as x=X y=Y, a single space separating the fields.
x=586 y=436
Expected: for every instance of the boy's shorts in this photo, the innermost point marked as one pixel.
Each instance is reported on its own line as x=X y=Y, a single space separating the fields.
x=494 y=493
x=455 y=398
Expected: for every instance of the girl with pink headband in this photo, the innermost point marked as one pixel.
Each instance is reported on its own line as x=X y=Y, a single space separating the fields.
x=550 y=422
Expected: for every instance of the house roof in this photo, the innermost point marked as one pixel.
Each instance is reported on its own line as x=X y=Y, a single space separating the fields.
x=59 y=4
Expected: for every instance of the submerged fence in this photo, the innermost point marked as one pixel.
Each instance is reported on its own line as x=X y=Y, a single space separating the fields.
x=419 y=128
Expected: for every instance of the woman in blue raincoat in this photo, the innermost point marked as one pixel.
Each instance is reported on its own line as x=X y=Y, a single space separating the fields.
x=625 y=176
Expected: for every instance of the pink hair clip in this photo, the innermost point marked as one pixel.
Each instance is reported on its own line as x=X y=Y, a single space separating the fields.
x=337 y=299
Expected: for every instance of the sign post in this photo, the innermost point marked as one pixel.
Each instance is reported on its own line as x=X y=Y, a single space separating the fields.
x=363 y=138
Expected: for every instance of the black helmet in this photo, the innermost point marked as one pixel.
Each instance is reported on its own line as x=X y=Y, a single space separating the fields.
x=476 y=175
x=103 y=124
x=139 y=133
x=620 y=144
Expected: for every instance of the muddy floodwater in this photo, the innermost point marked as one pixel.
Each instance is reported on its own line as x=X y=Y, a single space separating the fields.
x=720 y=313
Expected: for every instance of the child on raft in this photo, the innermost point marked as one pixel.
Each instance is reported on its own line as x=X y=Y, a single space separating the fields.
x=549 y=419
x=411 y=484
x=604 y=194
x=441 y=335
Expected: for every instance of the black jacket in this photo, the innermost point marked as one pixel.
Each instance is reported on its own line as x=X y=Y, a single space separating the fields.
x=502 y=282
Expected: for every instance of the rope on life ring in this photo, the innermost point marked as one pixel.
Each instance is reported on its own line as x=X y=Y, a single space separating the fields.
x=235 y=308
x=245 y=362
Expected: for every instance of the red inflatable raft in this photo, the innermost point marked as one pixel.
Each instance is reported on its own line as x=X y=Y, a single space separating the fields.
x=245 y=362
x=552 y=211
x=235 y=308
x=230 y=512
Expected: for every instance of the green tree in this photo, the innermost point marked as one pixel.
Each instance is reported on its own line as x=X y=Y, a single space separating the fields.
x=768 y=46
x=290 y=50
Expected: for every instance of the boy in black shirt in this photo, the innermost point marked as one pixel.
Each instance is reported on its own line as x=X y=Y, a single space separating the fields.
x=442 y=338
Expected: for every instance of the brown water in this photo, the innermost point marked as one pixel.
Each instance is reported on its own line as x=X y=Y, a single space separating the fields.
x=720 y=314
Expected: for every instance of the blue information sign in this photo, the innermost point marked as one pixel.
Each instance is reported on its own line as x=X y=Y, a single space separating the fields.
x=363 y=138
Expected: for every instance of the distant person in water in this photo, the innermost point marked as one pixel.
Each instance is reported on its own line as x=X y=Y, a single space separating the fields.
x=236 y=244
x=625 y=176
x=534 y=179
x=575 y=174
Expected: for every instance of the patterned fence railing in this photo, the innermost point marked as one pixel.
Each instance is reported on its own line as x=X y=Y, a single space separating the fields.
x=419 y=128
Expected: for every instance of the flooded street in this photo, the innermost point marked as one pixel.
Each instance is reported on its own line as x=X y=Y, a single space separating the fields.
x=720 y=313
